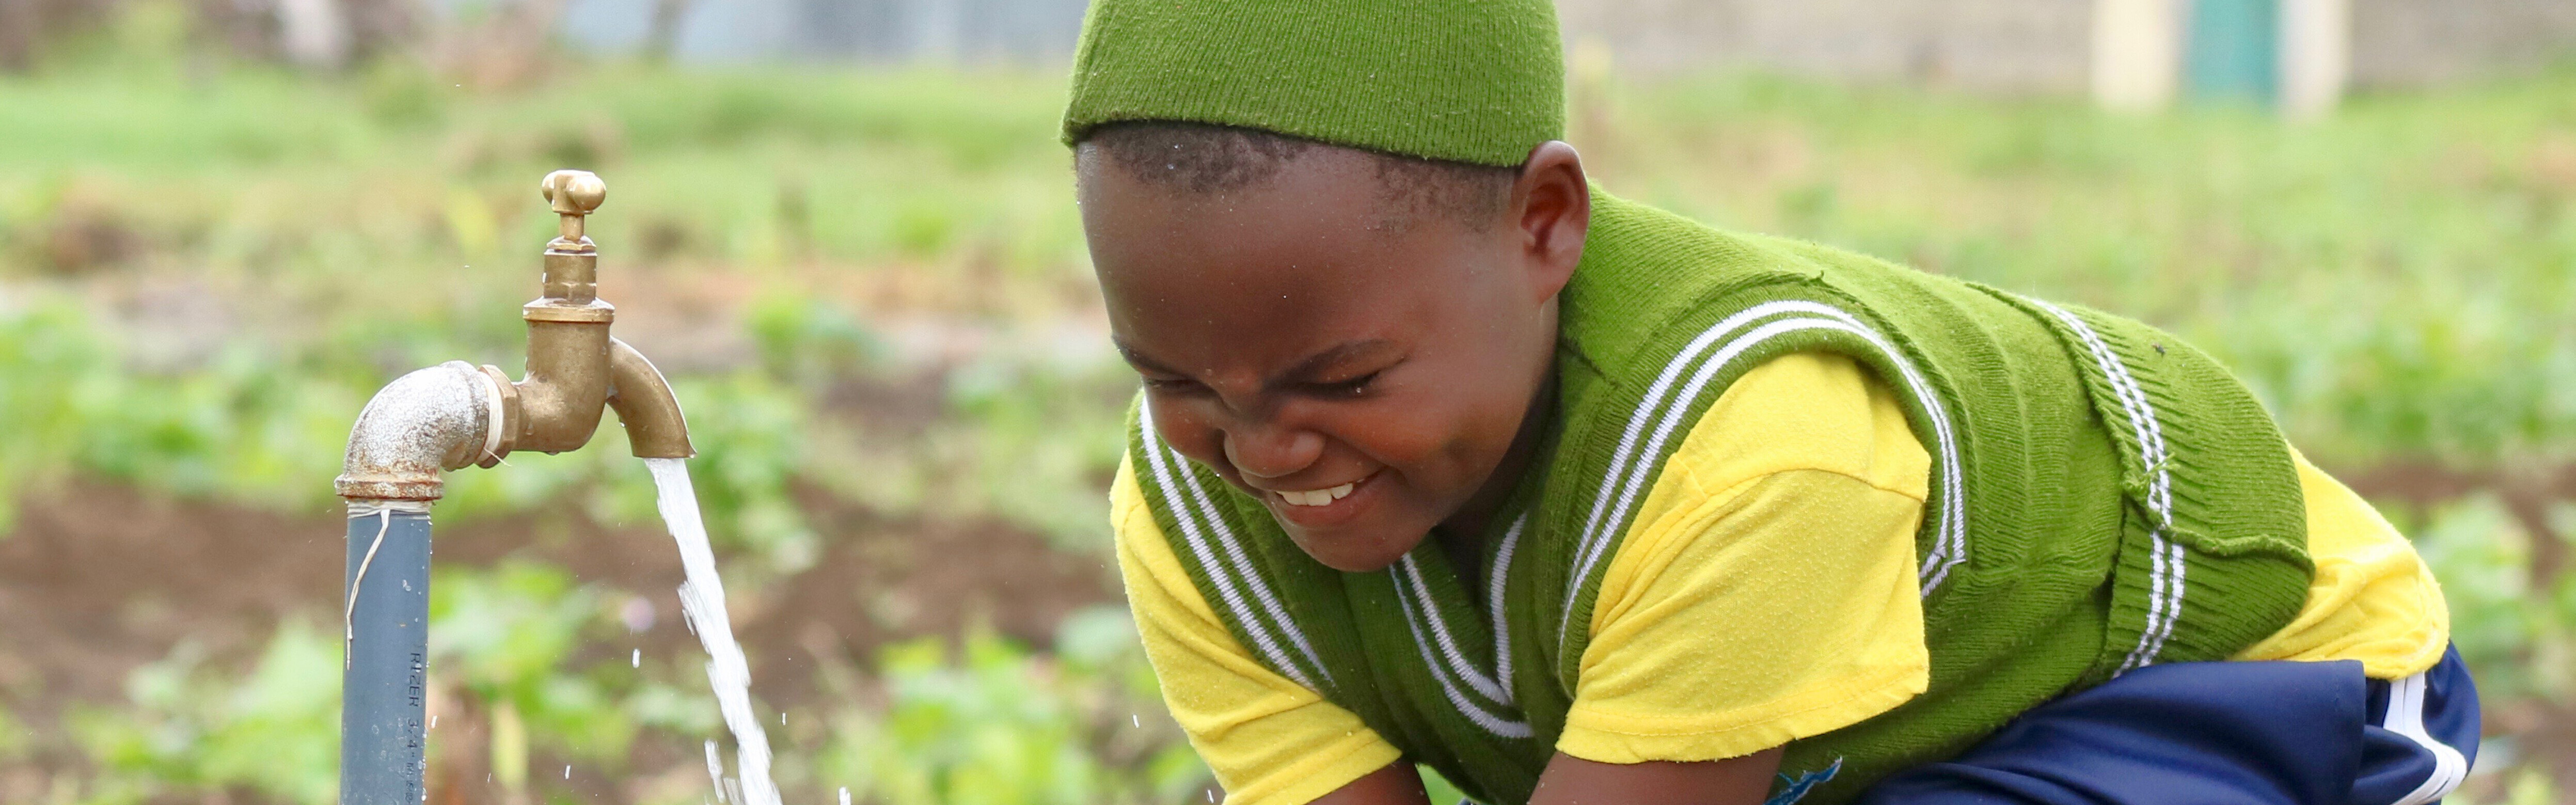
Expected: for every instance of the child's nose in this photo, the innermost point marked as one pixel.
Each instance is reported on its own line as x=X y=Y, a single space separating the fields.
x=1272 y=452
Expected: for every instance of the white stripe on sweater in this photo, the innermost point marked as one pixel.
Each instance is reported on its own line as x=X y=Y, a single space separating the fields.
x=1485 y=719
x=1628 y=466
x=1224 y=573
x=1409 y=575
x=1496 y=688
x=2165 y=558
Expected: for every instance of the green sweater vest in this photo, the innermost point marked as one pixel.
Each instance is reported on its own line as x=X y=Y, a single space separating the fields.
x=2103 y=497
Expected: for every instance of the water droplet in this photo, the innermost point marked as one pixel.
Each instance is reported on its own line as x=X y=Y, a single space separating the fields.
x=845 y=795
x=433 y=722
x=567 y=772
x=1138 y=720
x=638 y=614
x=636 y=660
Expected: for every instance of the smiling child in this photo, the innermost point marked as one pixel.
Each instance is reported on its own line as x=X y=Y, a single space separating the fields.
x=1446 y=456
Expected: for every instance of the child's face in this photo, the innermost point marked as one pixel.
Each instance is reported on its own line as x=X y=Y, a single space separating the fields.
x=1362 y=372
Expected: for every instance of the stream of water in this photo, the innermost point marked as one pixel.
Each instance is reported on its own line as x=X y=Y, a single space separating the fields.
x=702 y=599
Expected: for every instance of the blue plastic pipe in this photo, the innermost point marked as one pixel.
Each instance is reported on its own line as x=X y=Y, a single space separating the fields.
x=386 y=684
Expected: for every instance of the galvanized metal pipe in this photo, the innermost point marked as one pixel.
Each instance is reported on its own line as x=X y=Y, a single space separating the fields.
x=385 y=686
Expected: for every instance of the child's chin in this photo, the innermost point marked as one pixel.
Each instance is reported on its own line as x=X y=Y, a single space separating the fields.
x=1353 y=550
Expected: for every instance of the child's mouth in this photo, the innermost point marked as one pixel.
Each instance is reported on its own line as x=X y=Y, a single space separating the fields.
x=1314 y=507
x=1316 y=497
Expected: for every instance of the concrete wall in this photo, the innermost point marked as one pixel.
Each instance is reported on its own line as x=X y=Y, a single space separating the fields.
x=2418 y=42
x=2013 y=45
x=984 y=31
x=2035 y=45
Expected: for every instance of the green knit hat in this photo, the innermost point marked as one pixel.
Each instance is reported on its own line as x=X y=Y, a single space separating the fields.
x=1480 y=81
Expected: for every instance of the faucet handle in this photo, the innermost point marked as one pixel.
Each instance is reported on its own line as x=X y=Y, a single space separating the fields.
x=574 y=194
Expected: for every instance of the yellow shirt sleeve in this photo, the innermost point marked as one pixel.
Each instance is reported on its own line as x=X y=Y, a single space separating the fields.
x=1767 y=589
x=2373 y=599
x=1269 y=740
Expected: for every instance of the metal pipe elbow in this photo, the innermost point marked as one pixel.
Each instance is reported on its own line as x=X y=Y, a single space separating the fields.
x=435 y=419
x=644 y=403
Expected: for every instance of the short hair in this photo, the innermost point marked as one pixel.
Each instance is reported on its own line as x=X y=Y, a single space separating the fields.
x=1202 y=158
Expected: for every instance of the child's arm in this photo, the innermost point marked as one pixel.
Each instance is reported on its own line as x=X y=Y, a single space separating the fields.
x=1397 y=784
x=1571 y=780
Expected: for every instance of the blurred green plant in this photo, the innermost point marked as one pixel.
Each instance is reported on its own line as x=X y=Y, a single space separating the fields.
x=193 y=728
x=2521 y=641
x=993 y=724
x=507 y=637
x=267 y=429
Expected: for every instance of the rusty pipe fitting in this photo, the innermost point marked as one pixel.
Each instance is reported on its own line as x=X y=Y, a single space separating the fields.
x=435 y=419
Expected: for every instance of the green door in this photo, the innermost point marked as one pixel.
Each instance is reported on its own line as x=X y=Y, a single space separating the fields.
x=2232 y=50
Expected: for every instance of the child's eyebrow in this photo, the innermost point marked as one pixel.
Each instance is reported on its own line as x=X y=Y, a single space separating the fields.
x=1306 y=367
x=1138 y=359
x=1319 y=361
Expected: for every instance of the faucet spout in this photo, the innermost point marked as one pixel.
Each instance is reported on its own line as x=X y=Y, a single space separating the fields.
x=645 y=405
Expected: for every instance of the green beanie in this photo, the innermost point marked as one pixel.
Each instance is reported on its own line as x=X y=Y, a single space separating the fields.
x=1479 y=81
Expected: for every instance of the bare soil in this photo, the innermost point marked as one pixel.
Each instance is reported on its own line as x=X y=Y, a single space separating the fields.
x=98 y=579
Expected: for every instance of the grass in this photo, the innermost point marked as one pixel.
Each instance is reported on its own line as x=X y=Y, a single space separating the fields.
x=871 y=285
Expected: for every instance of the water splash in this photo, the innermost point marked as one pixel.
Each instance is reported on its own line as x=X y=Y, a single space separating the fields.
x=715 y=769
x=702 y=600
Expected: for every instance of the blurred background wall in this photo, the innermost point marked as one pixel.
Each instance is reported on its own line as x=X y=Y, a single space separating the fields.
x=2012 y=46
x=2048 y=46
x=2045 y=45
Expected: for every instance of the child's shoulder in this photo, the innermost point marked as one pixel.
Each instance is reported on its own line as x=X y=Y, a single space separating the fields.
x=1802 y=411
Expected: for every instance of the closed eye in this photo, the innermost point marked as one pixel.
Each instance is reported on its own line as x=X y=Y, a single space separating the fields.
x=1171 y=384
x=1348 y=388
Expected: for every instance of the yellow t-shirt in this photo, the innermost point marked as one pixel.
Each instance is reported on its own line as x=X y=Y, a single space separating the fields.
x=1795 y=498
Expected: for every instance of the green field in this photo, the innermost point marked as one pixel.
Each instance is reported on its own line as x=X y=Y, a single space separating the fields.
x=870 y=289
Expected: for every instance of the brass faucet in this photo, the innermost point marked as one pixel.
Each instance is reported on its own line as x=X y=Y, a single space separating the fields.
x=454 y=414
x=574 y=367
x=445 y=417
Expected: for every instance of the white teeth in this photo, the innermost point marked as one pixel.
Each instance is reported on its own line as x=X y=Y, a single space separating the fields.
x=1315 y=497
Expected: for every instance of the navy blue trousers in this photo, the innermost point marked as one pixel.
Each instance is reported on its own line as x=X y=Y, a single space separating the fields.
x=2221 y=733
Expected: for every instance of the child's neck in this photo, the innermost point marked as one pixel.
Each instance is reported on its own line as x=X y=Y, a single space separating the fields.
x=1462 y=536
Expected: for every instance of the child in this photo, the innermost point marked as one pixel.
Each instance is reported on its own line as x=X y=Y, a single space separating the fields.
x=1446 y=457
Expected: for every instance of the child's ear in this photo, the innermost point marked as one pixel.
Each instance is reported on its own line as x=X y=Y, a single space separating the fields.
x=1550 y=212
